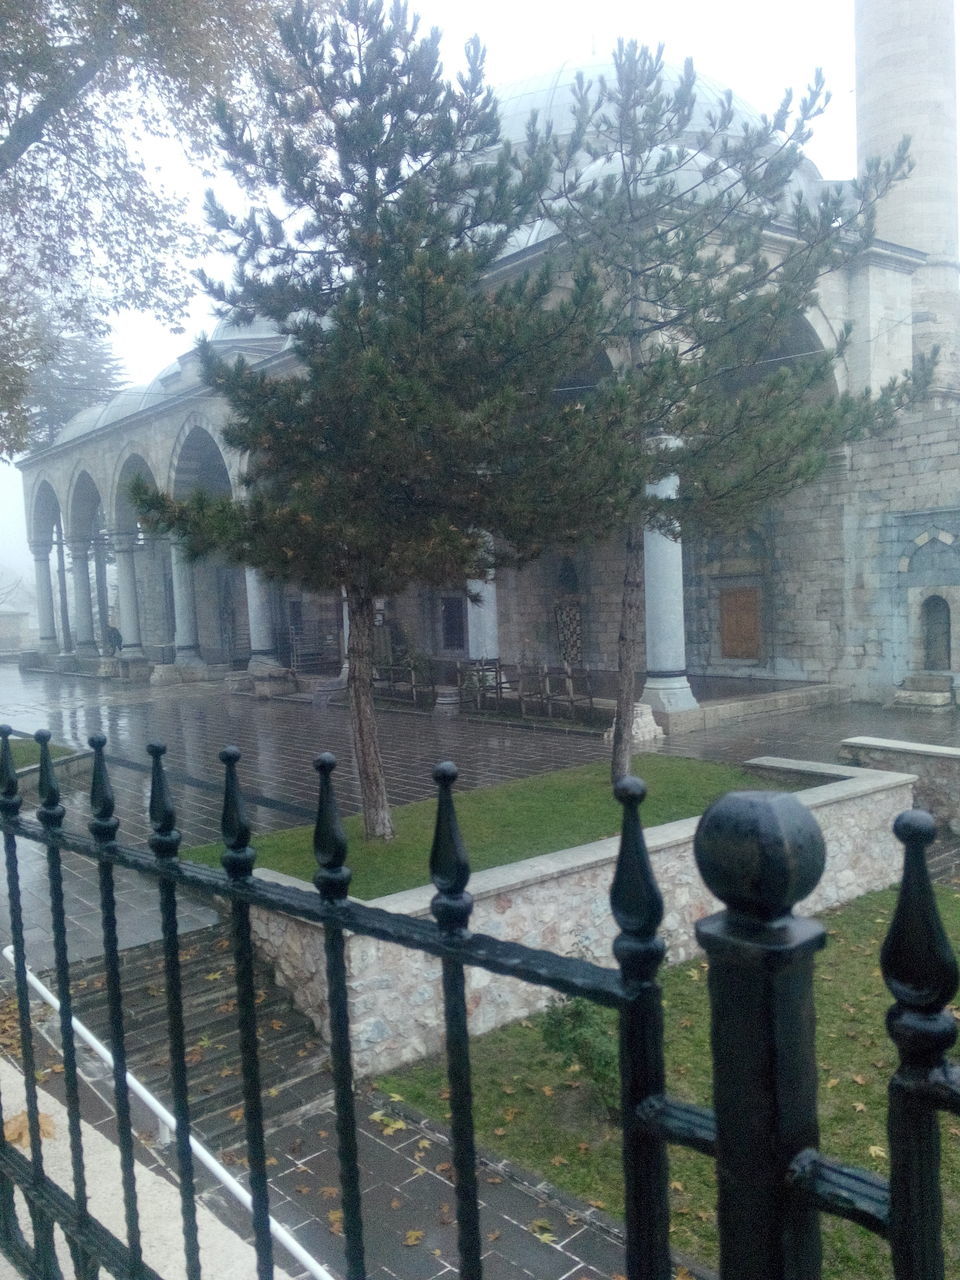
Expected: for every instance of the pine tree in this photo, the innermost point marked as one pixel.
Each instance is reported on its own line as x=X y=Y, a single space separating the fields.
x=78 y=371
x=421 y=440
x=709 y=253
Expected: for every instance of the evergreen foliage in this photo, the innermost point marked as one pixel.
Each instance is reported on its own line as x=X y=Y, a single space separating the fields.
x=78 y=371
x=422 y=434
x=710 y=251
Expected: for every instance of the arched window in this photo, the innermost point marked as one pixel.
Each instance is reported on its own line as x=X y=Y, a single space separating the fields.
x=935 y=619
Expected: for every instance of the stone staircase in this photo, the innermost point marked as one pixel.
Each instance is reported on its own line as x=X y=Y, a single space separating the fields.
x=293 y=1066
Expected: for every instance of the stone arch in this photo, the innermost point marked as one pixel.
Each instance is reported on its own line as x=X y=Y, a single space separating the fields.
x=44 y=513
x=935 y=628
x=84 y=507
x=198 y=462
x=219 y=588
x=933 y=534
x=122 y=514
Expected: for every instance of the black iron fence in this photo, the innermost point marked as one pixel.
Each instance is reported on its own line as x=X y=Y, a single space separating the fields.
x=759 y=853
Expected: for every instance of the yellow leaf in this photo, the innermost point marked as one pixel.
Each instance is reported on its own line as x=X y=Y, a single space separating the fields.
x=859 y=1106
x=832 y=1083
x=559 y=1160
x=329 y=1193
x=212 y=977
x=236 y=1115
x=859 y=1079
x=424 y=1144
x=413 y=1237
x=676 y=1186
x=540 y=1227
x=335 y=1219
x=547 y=1090
x=396 y=1202
x=493 y=1235
x=878 y=1153
x=271 y=1160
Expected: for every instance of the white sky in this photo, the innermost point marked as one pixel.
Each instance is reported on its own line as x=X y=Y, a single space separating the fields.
x=756 y=48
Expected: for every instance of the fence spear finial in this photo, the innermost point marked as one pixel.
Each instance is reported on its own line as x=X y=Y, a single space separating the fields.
x=916 y=959
x=51 y=811
x=238 y=858
x=635 y=899
x=329 y=841
x=104 y=826
x=449 y=868
x=10 y=798
x=165 y=841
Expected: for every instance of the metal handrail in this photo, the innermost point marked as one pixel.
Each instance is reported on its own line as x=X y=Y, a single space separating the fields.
x=226 y=1179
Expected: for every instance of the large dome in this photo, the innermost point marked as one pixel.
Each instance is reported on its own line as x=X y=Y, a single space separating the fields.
x=552 y=96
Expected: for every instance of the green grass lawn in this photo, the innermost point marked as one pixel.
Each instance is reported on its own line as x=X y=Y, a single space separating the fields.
x=26 y=752
x=534 y=1108
x=511 y=821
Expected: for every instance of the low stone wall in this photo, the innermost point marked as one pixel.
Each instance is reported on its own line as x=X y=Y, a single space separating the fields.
x=560 y=901
x=937 y=770
x=77 y=767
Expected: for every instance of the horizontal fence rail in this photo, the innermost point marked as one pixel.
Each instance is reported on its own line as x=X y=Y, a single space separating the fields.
x=759 y=853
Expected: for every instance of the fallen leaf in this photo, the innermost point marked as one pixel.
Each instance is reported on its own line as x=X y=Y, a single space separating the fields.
x=424 y=1144
x=396 y=1202
x=16 y=1129
x=193 y=1057
x=413 y=1237
x=493 y=1179
x=493 y=1235
x=596 y=1204
x=236 y=1115
x=335 y=1219
x=832 y=1083
x=444 y=1168
x=302 y=1189
x=859 y=1106
x=499 y=1132
x=445 y=1216
x=878 y=1153
x=329 y=1193
x=507 y=1088
x=676 y=1186
x=213 y=977
x=271 y=1160
x=276 y=1024
x=228 y=1071
x=559 y=1160
x=547 y=1090
x=541 y=1228
x=859 y=1079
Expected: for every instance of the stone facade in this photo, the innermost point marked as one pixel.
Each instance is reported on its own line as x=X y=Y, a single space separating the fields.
x=560 y=902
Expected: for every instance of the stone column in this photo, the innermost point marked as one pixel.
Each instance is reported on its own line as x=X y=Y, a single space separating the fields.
x=186 y=636
x=124 y=545
x=483 y=636
x=46 y=616
x=263 y=640
x=666 y=687
x=86 y=644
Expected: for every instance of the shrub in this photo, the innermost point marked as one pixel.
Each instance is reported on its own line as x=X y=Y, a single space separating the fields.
x=585 y=1035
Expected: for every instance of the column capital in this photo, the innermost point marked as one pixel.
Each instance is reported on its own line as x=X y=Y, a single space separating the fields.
x=40 y=548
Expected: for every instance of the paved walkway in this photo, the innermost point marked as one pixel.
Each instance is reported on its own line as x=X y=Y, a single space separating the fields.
x=278 y=741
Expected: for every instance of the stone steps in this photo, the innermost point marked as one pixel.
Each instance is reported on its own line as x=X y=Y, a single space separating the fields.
x=293 y=1066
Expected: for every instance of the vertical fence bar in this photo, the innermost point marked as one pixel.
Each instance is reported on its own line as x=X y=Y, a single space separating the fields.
x=637 y=907
x=451 y=907
x=238 y=859
x=761 y=853
x=333 y=881
x=10 y=804
x=165 y=843
x=50 y=813
x=103 y=828
x=920 y=969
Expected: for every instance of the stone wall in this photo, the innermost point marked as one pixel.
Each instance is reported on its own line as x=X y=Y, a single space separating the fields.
x=937 y=771
x=559 y=901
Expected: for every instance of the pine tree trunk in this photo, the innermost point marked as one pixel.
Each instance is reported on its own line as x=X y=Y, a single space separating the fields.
x=628 y=651
x=373 y=786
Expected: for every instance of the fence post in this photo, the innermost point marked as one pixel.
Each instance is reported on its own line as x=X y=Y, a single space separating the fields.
x=760 y=853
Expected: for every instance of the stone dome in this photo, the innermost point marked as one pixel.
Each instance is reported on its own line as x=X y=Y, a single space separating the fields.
x=552 y=96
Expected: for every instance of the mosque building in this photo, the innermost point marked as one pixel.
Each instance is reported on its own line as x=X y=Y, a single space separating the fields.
x=852 y=584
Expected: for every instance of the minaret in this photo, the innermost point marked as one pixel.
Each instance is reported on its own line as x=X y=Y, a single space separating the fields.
x=907 y=84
